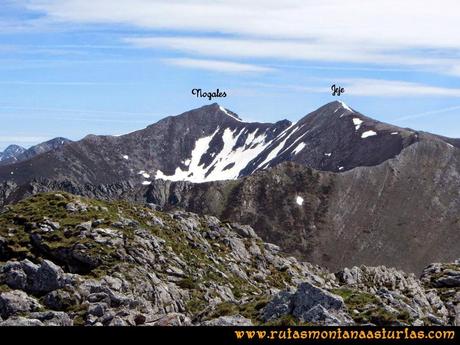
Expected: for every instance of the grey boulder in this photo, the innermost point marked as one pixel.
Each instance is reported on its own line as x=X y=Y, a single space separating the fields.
x=16 y=302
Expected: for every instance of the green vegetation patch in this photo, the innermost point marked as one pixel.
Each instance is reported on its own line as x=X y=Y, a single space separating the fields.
x=250 y=309
x=369 y=308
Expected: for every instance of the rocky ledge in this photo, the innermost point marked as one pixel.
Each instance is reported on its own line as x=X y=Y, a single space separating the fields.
x=67 y=260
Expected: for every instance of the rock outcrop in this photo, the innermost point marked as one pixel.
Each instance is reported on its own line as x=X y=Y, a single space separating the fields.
x=67 y=260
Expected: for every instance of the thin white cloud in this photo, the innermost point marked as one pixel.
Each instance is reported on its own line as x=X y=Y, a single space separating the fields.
x=17 y=64
x=370 y=87
x=80 y=115
x=455 y=70
x=82 y=119
x=69 y=110
x=387 y=23
x=57 y=83
x=340 y=68
x=428 y=113
x=394 y=88
x=296 y=88
x=395 y=32
x=241 y=48
x=278 y=49
x=22 y=139
x=216 y=65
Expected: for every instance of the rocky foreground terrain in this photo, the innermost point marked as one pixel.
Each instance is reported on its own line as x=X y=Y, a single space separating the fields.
x=68 y=260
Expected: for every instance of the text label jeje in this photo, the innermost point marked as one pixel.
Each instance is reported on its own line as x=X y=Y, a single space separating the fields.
x=337 y=90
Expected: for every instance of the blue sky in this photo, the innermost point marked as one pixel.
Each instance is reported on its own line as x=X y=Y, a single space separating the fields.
x=74 y=67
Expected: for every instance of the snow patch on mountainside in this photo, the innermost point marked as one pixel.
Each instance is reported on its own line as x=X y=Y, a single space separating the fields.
x=295 y=142
x=195 y=172
x=357 y=122
x=274 y=153
x=227 y=113
x=299 y=148
x=367 y=134
x=237 y=149
x=227 y=164
x=346 y=106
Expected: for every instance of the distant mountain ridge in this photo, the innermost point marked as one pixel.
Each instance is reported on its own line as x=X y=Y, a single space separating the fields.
x=11 y=152
x=15 y=153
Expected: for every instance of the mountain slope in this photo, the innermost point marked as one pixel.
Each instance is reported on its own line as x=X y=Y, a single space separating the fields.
x=335 y=138
x=164 y=146
x=401 y=213
x=67 y=260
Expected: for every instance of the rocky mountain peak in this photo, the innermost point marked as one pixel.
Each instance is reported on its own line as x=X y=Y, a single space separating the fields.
x=332 y=111
x=11 y=151
x=211 y=114
x=227 y=112
x=344 y=105
x=14 y=153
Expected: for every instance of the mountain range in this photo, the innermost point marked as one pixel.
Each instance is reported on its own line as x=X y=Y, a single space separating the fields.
x=11 y=152
x=336 y=188
x=212 y=143
x=15 y=153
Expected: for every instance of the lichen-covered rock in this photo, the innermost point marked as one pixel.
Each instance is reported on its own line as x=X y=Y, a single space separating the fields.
x=62 y=299
x=172 y=319
x=17 y=302
x=244 y=230
x=308 y=304
x=52 y=318
x=234 y=320
x=313 y=304
x=21 y=321
x=48 y=277
x=280 y=305
x=14 y=275
x=322 y=316
x=444 y=281
x=399 y=292
x=33 y=278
